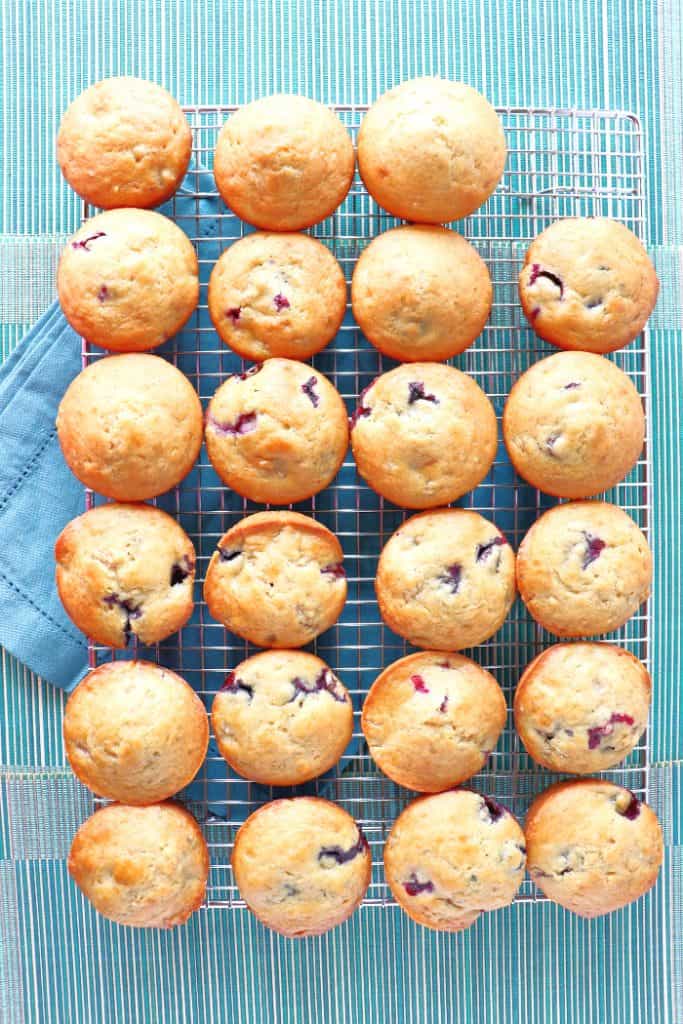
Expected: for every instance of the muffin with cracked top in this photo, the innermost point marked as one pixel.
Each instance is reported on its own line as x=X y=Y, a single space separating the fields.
x=451 y=856
x=446 y=579
x=584 y=568
x=587 y=283
x=282 y=718
x=593 y=847
x=302 y=866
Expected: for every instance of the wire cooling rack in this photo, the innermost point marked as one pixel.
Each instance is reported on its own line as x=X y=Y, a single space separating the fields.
x=561 y=163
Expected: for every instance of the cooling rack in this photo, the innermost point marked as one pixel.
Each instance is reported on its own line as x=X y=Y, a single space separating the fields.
x=561 y=163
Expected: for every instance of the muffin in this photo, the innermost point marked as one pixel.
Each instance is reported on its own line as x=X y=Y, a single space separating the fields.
x=424 y=434
x=302 y=866
x=431 y=720
x=582 y=707
x=573 y=425
x=446 y=579
x=146 y=867
x=124 y=142
x=421 y=292
x=130 y=426
x=593 y=847
x=282 y=718
x=583 y=568
x=124 y=571
x=277 y=295
x=452 y=856
x=431 y=150
x=135 y=732
x=277 y=433
x=128 y=280
x=276 y=579
x=587 y=283
x=283 y=162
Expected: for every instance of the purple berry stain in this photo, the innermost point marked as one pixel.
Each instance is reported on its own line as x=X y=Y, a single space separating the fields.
x=335 y=569
x=244 y=424
x=444 y=664
x=234 y=314
x=132 y=612
x=419 y=684
x=250 y=372
x=181 y=570
x=443 y=705
x=494 y=809
x=103 y=293
x=534 y=313
x=453 y=577
x=329 y=856
x=228 y=555
x=416 y=393
x=484 y=550
x=324 y=682
x=85 y=242
x=596 y=732
x=309 y=390
x=281 y=301
x=572 y=384
x=234 y=685
x=362 y=410
x=594 y=547
x=413 y=886
x=536 y=272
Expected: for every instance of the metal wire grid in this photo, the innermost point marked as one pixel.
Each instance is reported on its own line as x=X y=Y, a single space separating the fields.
x=561 y=163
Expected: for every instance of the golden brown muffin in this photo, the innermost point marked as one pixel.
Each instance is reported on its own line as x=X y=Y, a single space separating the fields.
x=452 y=856
x=283 y=162
x=431 y=150
x=587 y=283
x=276 y=579
x=146 y=867
x=277 y=433
x=424 y=434
x=282 y=718
x=421 y=293
x=135 y=732
x=302 y=866
x=431 y=720
x=123 y=571
x=584 y=568
x=277 y=295
x=128 y=280
x=574 y=425
x=124 y=142
x=582 y=707
x=592 y=846
x=446 y=579
x=130 y=426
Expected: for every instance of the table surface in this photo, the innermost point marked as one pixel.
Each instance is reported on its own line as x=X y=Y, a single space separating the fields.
x=58 y=960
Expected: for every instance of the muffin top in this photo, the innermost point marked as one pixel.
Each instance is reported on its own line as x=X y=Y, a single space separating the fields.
x=587 y=283
x=128 y=280
x=135 y=732
x=593 y=847
x=431 y=150
x=584 y=568
x=424 y=434
x=432 y=719
x=124 y=142
x=146 y=867
x=446 y=579
x=278 y=433
x=282 y=718
x=582 y=707
x=302 y=866
x=453 y=855
x=421 y=292
x=574 y=425
x=283 y=162
x=277 y=295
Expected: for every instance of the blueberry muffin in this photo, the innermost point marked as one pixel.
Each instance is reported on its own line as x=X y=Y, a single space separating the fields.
x=573 y=425
x=124 y=142
x=277 y=295
x=130 y=426
x=135 y=732
x=431 y=720
x=302 y=866
x=277 y=579
x=283 y=162
x=125 y=571
x=277 y=433
x=583 y=568
x=582 y=707
x=452 y=856
x=282 y=718
x=424 y=434
x=128 y=280
x=592 y=846
x=431 y=150
x=446 y=580
x=146 y=867
x=421 y=292
x=587 y=283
